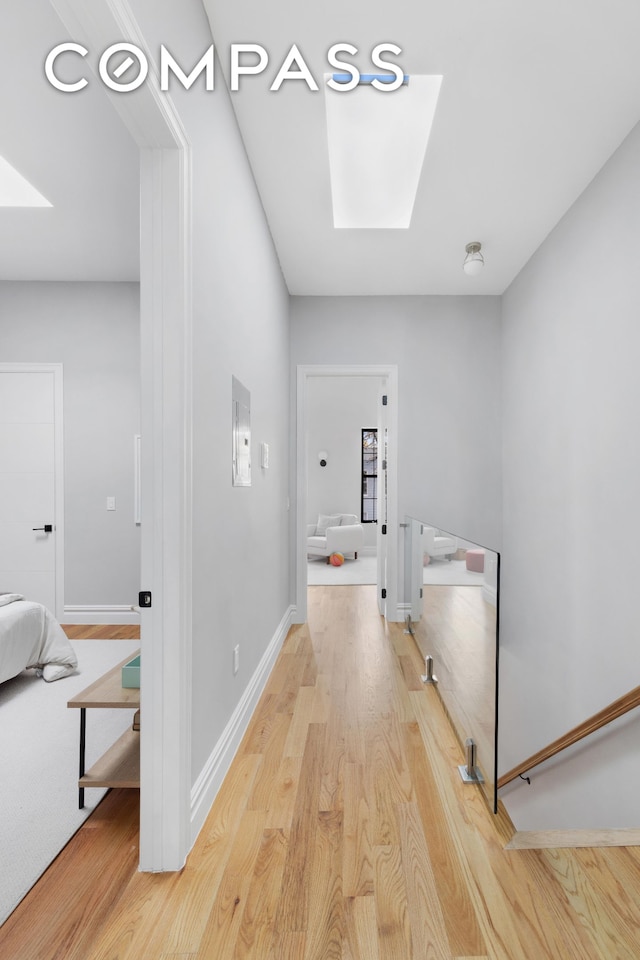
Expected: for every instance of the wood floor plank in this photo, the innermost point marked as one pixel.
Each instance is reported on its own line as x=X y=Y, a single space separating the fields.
x=256 y=932
x=361 y=929
x=425 y=911
x=463 y=931
x=271 y=752
x=284 y=790
x=101 y=631
x=358 y=853
x=365 y=846
x=326 y=923
x=293 y=912
x=183 y=927
x=302 y=715
x=287 y=945
x=222 y=933
x=390 y=778
x=335 y=747
x=588 y=880
x=394 y=931
x=321 y=707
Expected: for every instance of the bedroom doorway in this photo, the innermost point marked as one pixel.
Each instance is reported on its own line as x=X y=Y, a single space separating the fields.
x=386 y=416
x=31 y=483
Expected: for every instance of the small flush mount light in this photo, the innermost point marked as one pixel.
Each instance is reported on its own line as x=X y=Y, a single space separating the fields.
x=474 y=261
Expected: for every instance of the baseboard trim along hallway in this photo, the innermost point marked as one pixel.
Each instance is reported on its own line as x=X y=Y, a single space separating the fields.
x=213 y=773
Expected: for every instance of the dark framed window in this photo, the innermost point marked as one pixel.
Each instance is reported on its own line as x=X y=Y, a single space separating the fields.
x=369 y=495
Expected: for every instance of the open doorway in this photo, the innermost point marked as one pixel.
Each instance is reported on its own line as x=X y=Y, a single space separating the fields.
x=331 y=403
x=342 y=479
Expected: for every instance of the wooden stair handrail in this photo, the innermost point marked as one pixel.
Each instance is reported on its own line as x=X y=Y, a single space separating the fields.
x=616 y=709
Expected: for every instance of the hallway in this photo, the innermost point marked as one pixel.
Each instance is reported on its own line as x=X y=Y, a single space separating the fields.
x=342 y=831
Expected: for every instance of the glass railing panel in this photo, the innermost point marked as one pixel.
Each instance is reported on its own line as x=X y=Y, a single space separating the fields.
x=452 y=590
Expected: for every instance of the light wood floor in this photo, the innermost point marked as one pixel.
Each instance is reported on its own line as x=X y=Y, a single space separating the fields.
x=101 y=631
x=458 y=629
x=342 y=831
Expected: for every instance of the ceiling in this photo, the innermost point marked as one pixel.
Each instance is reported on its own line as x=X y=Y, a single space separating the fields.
x=76 y=151
x=535 y=98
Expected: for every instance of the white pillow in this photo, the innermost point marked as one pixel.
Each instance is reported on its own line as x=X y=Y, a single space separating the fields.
x=324 y=522
x=6 y=598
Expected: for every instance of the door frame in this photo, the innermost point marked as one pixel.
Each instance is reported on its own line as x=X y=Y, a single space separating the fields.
x=389 y=373
x=166 y=469
x=58 y=433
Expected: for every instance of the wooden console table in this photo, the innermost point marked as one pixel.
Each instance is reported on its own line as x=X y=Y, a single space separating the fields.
x=120 y=765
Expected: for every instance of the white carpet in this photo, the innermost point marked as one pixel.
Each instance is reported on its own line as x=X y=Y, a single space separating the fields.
x=364 y=570
x=39 y=743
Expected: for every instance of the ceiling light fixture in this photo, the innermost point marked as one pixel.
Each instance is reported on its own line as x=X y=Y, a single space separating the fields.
x=474 y=261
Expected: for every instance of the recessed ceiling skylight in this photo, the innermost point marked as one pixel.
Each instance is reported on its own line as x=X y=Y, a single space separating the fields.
x=377 y=145
x=15 y=191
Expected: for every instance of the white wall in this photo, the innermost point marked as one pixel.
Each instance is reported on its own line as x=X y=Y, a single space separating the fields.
x=241 y=328
x=337 y=410
x=571 y=396
x=447 y=350
x=93 y=329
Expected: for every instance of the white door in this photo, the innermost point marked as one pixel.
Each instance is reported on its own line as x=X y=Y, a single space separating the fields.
x=30 y=491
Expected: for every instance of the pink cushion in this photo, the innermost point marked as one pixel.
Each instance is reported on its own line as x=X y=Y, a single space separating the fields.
x=475 y=560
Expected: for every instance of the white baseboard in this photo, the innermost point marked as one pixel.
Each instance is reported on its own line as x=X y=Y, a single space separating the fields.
x=204 y=790
x=113 y=613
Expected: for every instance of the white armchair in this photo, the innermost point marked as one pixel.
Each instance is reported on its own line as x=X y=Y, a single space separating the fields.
x=437 y=546
x=338 y=533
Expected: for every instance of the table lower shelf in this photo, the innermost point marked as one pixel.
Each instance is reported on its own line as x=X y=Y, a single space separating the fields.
x=118 y=767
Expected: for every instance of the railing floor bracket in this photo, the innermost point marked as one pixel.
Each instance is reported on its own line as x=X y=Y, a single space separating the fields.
x=428 y=676
x=468 y=771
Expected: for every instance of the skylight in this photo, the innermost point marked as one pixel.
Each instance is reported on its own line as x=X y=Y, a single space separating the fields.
x=15 y=191
x=377 y=145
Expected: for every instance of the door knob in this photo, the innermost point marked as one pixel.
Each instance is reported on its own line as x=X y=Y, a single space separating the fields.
x=48 y=528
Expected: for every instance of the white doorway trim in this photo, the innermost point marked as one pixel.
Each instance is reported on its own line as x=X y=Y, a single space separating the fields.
x=388 y=373
x=58 y=429
x=166 y=309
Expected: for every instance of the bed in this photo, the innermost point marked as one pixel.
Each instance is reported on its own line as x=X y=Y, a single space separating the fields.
x=30 y=636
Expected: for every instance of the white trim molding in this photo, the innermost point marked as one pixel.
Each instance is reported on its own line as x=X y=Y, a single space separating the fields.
x=107 y=613
x=166 y=420
x=206 y=787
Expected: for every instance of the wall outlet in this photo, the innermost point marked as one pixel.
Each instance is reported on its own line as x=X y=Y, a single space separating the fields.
x=236 y=658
